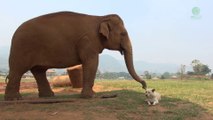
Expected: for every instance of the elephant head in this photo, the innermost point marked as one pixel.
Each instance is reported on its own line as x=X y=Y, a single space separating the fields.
x=115 y=37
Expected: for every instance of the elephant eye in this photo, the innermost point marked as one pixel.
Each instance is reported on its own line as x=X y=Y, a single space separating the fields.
x=123 y=33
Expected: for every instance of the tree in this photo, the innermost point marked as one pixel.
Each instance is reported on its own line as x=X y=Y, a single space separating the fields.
x=166 y=75
x=115 y=75
x=182 y=71
x=199 y=68
x=162 y=77
x=109 y=75
x=190 y=73
x=98 y=74
x=204 y=69
x=147 y=75
x=125 y=75
x=196 y=64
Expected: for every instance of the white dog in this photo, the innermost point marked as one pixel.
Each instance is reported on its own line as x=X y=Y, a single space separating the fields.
x=152 y=97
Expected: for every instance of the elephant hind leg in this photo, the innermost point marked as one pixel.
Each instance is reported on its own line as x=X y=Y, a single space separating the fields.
x=13 y=86
x=42 y=82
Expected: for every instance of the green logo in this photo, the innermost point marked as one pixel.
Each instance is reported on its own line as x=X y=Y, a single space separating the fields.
x=196 y=11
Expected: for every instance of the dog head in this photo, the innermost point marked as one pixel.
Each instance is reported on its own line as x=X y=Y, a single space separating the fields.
x=150 y=93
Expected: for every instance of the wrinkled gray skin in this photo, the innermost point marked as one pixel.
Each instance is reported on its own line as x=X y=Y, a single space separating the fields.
x=61 y=40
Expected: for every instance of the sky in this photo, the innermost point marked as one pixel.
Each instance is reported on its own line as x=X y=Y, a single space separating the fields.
x=161 y=31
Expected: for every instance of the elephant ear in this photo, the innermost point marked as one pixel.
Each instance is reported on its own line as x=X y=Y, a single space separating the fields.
x=104 y=29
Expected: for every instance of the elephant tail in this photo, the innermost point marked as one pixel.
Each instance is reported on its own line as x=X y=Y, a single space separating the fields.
x=6 y=79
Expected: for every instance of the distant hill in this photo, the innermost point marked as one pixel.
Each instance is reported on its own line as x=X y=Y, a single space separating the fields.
x=107 y=63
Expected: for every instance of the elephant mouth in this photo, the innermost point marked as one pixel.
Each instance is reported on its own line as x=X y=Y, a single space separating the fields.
x=121 y=50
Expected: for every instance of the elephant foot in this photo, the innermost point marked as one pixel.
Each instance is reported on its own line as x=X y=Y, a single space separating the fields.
x=46 y=94
x=11 y=97
x=87 y=93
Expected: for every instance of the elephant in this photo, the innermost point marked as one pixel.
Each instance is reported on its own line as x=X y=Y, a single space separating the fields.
x=64 y=39
x=61 y=81
x=75 y=75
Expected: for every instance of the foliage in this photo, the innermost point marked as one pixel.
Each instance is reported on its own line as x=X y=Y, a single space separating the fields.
x=165 y=75
x=204 y=70
x=211 y=76
x=199 y=68
x=190 y=73
x=162 y=77
x=147 y=75
x=182 y=71
x=113 y=75
x=98 y=74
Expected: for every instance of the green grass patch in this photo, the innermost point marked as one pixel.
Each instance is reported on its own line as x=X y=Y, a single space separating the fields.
x=187 y=99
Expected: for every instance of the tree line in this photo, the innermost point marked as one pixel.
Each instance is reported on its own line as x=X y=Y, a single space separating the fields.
x=200 y=71
x=113 y=75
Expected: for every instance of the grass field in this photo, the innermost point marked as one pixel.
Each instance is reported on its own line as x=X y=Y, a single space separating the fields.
x=181 y=100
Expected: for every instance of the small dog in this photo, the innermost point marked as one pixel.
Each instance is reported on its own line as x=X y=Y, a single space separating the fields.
x=152 y=97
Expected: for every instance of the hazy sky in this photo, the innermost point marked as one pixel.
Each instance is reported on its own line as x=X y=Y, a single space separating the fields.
x=162 y=31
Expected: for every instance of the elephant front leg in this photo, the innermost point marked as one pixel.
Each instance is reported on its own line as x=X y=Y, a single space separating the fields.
x=89 y=72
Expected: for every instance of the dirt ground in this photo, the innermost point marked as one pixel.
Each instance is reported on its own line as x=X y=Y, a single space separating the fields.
x=78 y=109
x=24 y=86
x=44 y=114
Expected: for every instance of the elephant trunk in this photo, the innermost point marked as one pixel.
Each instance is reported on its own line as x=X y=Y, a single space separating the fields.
x=129 y=63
